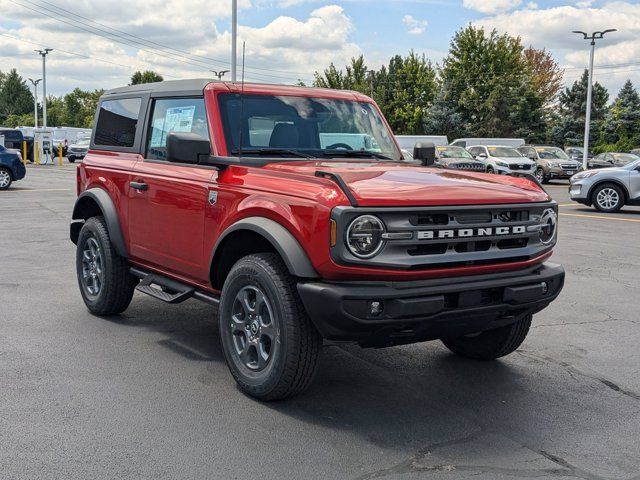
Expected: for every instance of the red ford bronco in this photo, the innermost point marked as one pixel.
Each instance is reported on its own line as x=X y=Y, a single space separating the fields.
x=293 y=210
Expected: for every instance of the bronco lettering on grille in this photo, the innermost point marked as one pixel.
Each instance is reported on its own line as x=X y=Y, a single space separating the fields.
x=471 y=232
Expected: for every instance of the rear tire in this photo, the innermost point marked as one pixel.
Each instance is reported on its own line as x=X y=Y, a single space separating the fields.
x=105 y=283
x=490 y=170
x=5 y=178
x=491 y=344
x=270 y=345
x=608 y=197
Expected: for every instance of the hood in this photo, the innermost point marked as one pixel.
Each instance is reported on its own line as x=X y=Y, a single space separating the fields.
x=449 y=160
x=375 y=184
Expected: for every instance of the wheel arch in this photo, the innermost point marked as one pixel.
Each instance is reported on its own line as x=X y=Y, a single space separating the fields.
x=257 y=235
x=97 y=202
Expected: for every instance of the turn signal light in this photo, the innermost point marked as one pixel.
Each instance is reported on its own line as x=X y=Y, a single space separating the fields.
x=334 y=233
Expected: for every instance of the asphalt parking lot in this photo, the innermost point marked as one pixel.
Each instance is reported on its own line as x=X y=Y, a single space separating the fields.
x=147 y=394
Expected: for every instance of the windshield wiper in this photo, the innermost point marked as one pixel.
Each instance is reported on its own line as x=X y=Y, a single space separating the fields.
x=355 y=154
x=270 y=151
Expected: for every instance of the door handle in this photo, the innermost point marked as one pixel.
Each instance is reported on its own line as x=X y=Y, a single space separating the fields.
x=140 y=186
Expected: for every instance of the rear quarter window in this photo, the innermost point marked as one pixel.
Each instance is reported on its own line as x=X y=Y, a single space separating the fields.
x=117 y=122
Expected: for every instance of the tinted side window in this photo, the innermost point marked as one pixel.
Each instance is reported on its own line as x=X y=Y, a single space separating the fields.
x=174 y=115
x=118 y=122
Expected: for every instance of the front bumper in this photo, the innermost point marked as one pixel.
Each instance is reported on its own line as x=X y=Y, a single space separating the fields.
x=579 y=191
x=559 y=172
x=19 y=171
x=429 y=309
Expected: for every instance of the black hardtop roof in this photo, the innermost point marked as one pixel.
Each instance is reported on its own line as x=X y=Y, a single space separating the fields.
x=181 y=87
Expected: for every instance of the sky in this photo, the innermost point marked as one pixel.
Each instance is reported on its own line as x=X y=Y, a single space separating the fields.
x=99 y=44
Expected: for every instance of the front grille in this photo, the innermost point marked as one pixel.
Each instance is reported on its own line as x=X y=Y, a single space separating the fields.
x=473 y=166
x=520 y=166
x=566 y=166
x=451 y=236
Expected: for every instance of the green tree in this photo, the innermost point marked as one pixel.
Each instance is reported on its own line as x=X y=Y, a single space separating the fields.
x=490 y=81
x=546 y=75
x=15 y=96
x=622 y=122
x=572 y=105
x=148 y=76
x=405 y=91
x=443 y=118
x=355 y=77
x=80 y=107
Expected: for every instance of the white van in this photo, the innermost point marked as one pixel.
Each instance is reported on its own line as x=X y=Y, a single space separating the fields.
x=407 y=142
x=503 y=142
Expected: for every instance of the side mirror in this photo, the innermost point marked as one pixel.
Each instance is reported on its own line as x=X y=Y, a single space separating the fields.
x=425 y=152
x=186 y=147
x=482 y=156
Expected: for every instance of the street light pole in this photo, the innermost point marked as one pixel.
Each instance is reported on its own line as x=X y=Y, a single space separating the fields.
x=587 y=121
x=43 y=54
x=35 y=100
x=234 y=40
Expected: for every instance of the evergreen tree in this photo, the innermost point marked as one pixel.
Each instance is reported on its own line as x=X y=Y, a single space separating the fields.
x=15 y=96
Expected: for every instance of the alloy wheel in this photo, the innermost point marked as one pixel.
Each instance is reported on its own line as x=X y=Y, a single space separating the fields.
x=252 y=328
x=539 y=174
x=92 y=267
x=608 y=198
x=5 y=178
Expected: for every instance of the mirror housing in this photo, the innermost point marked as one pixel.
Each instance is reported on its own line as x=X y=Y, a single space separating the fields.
x=187 y=147
x=425 y=152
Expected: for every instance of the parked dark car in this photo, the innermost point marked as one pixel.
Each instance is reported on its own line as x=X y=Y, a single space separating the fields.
x=576 y=153
x=11 y=168
x=611 y=159
x=12 y=138
x=457 y=158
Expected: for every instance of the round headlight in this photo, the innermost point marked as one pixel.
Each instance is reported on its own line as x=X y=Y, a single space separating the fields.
x=549 y=221
x=364 y=236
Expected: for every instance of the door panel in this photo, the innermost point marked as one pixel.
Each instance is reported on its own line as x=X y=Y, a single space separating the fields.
x=166 y=224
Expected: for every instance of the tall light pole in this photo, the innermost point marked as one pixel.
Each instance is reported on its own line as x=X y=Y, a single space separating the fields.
x=587 y=122
x=35 y=100
x=43 y=54
x=234 y=40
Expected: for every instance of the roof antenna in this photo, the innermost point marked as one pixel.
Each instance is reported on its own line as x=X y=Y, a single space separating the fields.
x=242 y=102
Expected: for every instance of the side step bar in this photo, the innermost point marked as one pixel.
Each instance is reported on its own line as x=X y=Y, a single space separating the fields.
x=169 y=290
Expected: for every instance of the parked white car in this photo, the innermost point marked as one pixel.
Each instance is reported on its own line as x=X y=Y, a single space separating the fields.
x=502 y=160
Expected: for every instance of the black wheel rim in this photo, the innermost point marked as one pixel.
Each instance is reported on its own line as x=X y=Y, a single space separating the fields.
x=92 y=267
x=253 y=331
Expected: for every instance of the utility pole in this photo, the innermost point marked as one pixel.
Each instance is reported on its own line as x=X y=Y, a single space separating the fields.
x=587 y=121
x=234 y=40
x=43 y=54
x=35 y=100
x=220 y=74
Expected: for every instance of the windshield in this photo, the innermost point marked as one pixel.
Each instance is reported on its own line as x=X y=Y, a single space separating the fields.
x=504 y=152
x=311 y=126
x=551 y=153
x=453 y=152
x=624 y=158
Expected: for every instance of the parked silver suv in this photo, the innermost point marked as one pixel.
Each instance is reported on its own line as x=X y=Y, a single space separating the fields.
x=607 y=189
x=503 y=160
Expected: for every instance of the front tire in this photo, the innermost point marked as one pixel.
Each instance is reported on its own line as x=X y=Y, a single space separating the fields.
x=540 y=176
x=270 y=345
x=490 y=170
x=105 y=283
x=608 y=198
x=5 y=178
x=491 y=344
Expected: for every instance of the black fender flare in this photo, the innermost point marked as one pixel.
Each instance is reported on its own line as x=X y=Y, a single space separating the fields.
x=109 y=212
x=292 y=253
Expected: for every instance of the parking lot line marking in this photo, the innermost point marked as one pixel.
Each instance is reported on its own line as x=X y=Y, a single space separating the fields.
x=602 y=217
x=569 y=205
x=40 y=190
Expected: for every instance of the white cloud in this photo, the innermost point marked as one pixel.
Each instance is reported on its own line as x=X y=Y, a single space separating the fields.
x=551 y=28
x=491 y=6
x=416 y=27
x=584 y=3
x=282 y=51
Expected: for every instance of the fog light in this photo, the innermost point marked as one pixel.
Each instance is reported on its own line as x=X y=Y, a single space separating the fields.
x=545 y=288
x=376 y=308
